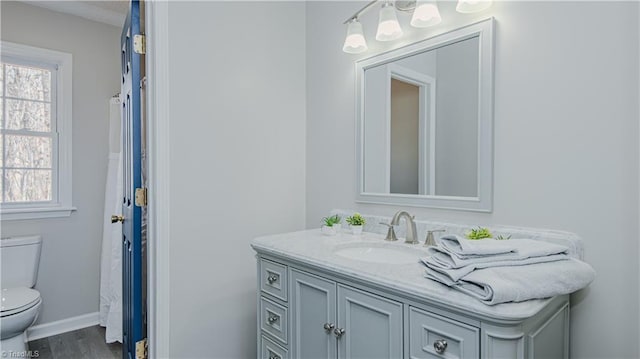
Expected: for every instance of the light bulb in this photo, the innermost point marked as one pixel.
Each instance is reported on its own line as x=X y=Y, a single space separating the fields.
x=469 y=6
x=355 y=42
x=388 y=26
x=425 y=14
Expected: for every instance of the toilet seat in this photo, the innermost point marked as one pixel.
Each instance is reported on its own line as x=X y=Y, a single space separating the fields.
x=16 y=300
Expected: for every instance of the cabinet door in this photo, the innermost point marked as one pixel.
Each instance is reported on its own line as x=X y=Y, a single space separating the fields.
x=372 y=325
x=313 y=305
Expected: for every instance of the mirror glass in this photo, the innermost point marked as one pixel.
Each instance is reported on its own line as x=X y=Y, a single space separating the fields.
x=424 y=122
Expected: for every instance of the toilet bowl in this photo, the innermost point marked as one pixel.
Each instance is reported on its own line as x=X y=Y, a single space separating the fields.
x=20 y=309
x=20 y=304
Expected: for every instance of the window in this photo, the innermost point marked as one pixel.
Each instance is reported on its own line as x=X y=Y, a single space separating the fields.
x=35 y=126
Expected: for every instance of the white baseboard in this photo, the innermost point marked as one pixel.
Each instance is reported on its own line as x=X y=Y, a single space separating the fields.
x=62 y=326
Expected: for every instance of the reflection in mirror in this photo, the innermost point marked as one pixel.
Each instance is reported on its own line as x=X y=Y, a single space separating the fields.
x=425 y=122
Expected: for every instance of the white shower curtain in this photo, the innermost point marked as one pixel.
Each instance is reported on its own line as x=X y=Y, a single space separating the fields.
x=111 y=261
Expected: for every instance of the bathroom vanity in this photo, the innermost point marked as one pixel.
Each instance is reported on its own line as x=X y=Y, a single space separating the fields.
x=349 y=296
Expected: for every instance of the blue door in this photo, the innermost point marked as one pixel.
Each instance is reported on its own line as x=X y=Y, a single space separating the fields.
x=134 y=199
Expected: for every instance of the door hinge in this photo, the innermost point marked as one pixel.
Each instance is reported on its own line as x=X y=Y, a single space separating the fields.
x=141 y=349
x=141 y=197
x=139 y=44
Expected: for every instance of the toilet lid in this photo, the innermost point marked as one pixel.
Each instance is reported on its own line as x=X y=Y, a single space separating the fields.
x=14 y=299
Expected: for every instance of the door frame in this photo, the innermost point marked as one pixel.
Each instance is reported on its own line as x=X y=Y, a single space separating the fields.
x=157 y=67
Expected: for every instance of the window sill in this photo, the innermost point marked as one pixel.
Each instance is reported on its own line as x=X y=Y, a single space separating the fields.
x=15 y=214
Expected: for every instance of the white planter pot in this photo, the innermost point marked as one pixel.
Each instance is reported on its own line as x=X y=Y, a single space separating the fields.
x=328 y=231
x=357 y=230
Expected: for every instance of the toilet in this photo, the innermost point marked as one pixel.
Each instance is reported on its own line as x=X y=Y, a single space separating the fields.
x=21 y=303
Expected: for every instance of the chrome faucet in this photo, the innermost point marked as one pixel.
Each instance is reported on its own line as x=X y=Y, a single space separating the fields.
x=411 y=226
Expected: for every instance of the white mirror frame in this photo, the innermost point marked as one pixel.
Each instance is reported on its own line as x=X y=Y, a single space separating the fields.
x=484 y=201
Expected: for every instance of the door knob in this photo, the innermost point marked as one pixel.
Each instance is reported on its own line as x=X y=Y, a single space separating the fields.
x=116 y=219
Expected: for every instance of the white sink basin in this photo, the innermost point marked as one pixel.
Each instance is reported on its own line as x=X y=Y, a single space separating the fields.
x=380 y=253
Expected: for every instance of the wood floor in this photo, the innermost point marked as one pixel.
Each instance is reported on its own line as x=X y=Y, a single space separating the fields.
x=84 y=343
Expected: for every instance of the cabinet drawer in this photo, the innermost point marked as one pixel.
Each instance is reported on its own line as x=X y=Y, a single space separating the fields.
x=271 y=350
x=273 y=279
x=432 y=336
x=273 y=319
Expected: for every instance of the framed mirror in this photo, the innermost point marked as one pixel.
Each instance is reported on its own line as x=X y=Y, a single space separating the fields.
x=425 y=122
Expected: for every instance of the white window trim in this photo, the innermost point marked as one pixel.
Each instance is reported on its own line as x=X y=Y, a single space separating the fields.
x=64 y=62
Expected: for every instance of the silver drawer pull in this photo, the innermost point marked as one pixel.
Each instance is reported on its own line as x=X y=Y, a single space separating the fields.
x=328 y=327
x=440 y=346
x=274 y=356
x=272 y=319
x=338 y=332
x=272 y=278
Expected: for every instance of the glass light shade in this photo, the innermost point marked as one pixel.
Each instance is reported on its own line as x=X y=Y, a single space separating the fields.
x=425 y=14
x=388 y=25
x=469 y=6
x=355 y=42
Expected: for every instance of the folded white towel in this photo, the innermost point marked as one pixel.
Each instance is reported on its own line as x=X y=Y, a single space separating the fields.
x=442 y=257
x=454 y=274
x=474 y=247
x=520 y=283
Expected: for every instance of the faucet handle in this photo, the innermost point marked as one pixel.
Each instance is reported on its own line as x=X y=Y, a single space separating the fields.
x=430 y=241
x=391 y=233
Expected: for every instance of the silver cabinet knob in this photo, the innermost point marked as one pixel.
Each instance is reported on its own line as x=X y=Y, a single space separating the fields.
x=338 y=332
x=272 y=278
x=272 y=319
x=328 y=327
x=440 y=346
x=274 y=356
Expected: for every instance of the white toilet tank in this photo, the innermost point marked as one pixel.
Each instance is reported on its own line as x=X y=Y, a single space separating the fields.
x=19 y=259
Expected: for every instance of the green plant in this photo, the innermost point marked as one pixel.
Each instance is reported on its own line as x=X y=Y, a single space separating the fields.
x=479 y=233
x=356 y=220
x=330 y=221
x=502 y=238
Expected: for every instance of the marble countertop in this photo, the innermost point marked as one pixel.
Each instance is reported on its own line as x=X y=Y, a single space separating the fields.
x=315 y=249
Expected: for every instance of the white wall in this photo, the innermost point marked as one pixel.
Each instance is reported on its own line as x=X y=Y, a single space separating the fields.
x=237 y=141
x=68 y=277
x=566 y=140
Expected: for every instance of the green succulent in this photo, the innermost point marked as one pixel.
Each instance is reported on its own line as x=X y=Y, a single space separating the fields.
x=356 y=220
x=479 y=233
x=330 y=221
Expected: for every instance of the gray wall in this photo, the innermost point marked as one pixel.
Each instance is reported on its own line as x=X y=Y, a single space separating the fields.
x=566 y=140
x=69 y=274
x=457 y=119
x=237 y=162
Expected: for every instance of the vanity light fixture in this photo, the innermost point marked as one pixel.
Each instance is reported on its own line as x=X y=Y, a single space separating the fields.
x=355 y=42
x=425 y=13
x=388 y=26
x=471 y=6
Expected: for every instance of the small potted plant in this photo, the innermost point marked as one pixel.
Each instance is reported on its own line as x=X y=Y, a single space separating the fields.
x=356 y=222
x=479 y=233
x=331 y=225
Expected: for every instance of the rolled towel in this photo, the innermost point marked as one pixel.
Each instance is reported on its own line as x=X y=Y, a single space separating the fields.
x=520 y=283
x=466 y=247
x=455 y=274
x=521 y=249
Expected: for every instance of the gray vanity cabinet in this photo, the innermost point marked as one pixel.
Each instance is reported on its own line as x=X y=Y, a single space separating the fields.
x=332 y=320
x=313 y=308
x=318 y=312
x=372 y=325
